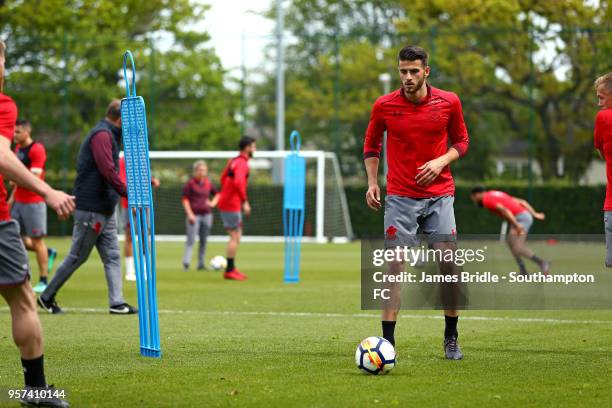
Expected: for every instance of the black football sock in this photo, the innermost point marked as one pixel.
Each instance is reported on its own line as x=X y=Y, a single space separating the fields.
x=34 y=372
x=537 y=260
x=43 y=279
x=522 y=268
x=450 y=328
x=230 y=265
x=388 y=327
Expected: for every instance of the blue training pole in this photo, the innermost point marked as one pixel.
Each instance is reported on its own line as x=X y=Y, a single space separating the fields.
x=141 y=212
x=293 y=208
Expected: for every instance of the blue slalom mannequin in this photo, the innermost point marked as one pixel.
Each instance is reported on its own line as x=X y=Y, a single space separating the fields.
x=140 y=209
x=293 y=208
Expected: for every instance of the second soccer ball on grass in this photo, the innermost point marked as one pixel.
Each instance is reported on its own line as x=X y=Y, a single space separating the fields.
x=218 y=262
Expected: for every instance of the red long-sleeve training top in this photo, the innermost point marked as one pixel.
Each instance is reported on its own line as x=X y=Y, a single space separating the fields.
x=416 y=133
x=234 y=184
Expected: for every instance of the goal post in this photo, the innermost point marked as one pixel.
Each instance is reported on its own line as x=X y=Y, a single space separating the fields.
x=327 y=214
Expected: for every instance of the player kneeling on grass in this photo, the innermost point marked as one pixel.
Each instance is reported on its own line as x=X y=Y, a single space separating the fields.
x=603 y=139
x=197 y=203
x=14 y=270
x=233 y=200
x=519 y=214
x=27 y=207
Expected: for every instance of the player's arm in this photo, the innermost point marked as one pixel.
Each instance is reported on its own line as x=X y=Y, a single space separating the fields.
x=373 y=193
x=38 y=157
x=507 y=215
x=215 y=197
x=598 y=136
x=213 y=203
x=240 y=181
x=188 y=210
x=430 y=171
x=102 y=148
x=11 y=199
x=457 y=131
x=12 y=168
x=537 y=215
x=372 y=147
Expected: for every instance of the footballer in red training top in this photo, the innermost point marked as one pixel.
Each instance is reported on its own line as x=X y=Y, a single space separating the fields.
x=603 y=144
x=519 y=214
x=28 y=208
x=233 y=200
x=420 y=121
x=14 y=270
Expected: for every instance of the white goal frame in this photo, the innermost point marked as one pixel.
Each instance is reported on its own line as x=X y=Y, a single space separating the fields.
x=320 y=157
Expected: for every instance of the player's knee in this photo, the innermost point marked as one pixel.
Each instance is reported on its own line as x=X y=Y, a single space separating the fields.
x=21 y=301
x=36 y=242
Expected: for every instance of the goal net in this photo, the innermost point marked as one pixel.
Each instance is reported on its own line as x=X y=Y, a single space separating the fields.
x=326 y=210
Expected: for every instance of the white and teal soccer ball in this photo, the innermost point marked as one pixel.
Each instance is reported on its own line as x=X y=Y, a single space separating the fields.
x=218 y=262
x=375 y=355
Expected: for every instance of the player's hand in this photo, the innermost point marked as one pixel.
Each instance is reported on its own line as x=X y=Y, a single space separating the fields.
x=155 y=182
x=519 y=230
x=430 y=171
x=246 y=207
x=373 y=197
x=192 y=219
x=60 y=202
x=539 y=216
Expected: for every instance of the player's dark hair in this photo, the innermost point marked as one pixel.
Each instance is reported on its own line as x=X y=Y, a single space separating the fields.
x=245 y=141
x=478 y=189
x=113 y=111
x=413 y=53
x=23 y=122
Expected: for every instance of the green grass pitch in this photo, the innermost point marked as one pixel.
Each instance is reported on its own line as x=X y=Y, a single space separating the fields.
x=263 y=343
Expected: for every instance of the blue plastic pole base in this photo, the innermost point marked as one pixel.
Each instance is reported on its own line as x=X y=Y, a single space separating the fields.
x=291 y=279
x=148 y=352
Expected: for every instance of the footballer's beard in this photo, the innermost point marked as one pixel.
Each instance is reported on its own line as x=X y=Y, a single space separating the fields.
x=415 y=88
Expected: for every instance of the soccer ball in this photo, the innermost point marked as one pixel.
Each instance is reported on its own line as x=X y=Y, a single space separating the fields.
x=218 y=262
x=375 y=355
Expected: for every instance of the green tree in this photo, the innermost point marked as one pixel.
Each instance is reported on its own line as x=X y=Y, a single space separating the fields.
x=514 y=59
x=332 y=71
x=64 y=65
x=482 y=50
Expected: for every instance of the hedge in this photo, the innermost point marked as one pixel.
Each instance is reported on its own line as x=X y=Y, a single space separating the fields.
x=569 y=210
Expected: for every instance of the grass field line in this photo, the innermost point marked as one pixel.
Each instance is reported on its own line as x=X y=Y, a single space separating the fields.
x=346 y=315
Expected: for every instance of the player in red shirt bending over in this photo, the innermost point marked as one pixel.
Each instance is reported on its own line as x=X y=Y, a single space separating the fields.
x=519 y=214
x=233 y=201
x=603 y=144
x=420 y=120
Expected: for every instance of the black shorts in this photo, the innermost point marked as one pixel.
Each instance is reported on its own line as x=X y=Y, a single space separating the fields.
x=14 y=267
